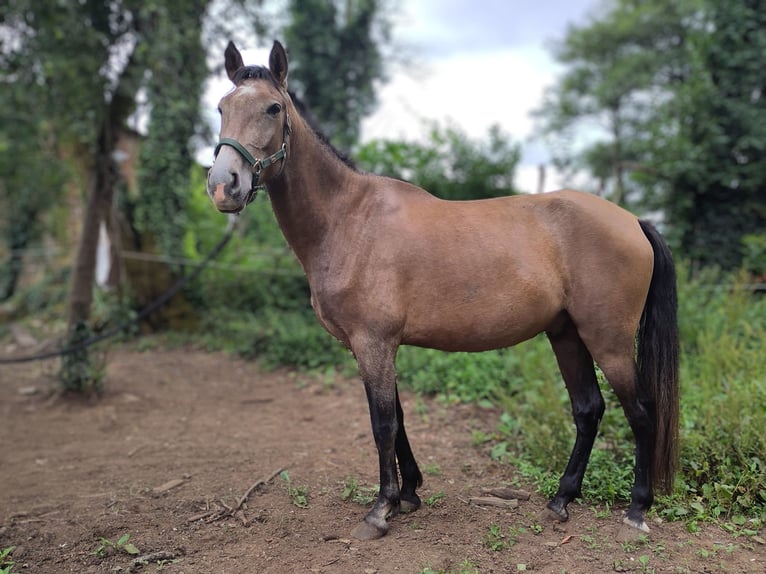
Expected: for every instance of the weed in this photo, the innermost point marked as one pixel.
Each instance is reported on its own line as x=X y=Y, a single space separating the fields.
x=478 y=437
x=6 y=562
x=643 y=563
x=433 y=469
x=602 y=512
x=363 y=495
x=591 y=542
x=496 y=540
x=298 y=494
x=434 y=499
x=106 y=546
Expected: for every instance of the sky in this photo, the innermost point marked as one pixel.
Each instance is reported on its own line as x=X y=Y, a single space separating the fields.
x=475 y=64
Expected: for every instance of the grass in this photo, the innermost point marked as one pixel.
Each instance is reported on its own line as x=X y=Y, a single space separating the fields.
x=122 y=544
x=7 y=563
x=359 y=494
x=299 y=495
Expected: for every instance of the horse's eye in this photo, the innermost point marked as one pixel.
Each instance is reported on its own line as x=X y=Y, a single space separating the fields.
x=274 y=109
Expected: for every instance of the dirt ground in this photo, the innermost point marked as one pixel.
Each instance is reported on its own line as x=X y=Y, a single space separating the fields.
x=179 y=437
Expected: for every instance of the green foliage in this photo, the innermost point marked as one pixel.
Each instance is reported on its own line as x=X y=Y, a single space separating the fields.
x=122 y=544
x=498 y=539
x=435 y=499
x=336 y=56
x=724 y=389
x=754 y=257
x=298 y=494
x=6 y=562
x=176 y=71
x=679 y=87
x=450 y=165
x=296 y=339
x=81 y=370
x=363 y=495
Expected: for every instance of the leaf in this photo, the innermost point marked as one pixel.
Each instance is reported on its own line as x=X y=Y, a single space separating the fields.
x=130 y=549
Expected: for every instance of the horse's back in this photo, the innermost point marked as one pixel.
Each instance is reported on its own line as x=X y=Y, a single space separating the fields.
x=508 y=268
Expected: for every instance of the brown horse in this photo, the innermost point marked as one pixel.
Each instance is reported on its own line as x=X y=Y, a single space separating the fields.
x=389 y=264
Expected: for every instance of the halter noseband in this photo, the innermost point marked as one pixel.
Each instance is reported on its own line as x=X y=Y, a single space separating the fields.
x=258 y=165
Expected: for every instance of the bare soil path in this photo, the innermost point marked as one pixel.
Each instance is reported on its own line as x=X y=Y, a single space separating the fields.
x=180 y=436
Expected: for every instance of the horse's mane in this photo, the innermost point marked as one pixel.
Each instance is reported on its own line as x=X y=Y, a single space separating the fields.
x=263 y=73
x=312 y=122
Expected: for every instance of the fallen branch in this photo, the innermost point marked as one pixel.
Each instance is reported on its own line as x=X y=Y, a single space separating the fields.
x=223 y=510
x=255 y=485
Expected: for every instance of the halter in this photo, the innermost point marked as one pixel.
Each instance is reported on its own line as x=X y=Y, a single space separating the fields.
x=258 y=165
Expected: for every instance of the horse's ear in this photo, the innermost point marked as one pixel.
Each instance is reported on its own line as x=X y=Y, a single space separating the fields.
x=278 y=64
x=233 y=60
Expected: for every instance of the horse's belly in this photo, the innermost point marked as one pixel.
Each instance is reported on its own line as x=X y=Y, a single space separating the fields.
x=491 y=323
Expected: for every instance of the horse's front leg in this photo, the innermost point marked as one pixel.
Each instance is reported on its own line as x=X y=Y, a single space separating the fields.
x=376 y=366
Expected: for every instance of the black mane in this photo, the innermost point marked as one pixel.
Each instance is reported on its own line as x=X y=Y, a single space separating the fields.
x=309 y=118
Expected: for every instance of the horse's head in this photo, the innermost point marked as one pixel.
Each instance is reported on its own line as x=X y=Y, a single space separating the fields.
x=255 y=126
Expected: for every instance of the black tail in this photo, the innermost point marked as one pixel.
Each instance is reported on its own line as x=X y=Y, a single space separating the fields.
x=658 y=350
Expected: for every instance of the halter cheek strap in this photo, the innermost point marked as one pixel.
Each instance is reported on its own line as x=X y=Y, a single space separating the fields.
x=258 y=165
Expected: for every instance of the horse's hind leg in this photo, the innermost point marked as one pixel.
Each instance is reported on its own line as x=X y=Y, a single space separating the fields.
x=620 y=371
x=411 y=477
x=576 y=365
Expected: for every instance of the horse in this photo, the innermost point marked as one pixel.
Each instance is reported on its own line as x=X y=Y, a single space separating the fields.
x=389 y=264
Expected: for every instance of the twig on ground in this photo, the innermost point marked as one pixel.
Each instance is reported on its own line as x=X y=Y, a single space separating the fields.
x=255 y=485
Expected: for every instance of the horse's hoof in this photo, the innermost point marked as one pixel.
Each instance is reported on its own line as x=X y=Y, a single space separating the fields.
x=367 y=531
x=640 y=524
x=407 y=506
x=554 y=513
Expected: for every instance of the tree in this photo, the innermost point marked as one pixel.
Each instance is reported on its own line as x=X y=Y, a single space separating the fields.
x=85 y=64
x=710 y=158
x=335 y=59
x=612 y=82
x=449 y=165
x=676 y=89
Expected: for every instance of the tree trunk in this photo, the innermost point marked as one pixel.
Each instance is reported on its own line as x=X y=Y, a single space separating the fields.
x=100 y=197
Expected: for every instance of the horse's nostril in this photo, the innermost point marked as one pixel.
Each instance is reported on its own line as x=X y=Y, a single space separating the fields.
x=234 y=180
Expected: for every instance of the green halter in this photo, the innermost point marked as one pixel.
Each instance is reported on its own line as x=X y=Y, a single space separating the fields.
x=258 y=165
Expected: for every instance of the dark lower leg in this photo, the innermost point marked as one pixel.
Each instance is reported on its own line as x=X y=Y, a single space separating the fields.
x=377 y=370
x=579 y=374
x=411 y=477
x=587 y=415
x=641 y=419
x=640 y=411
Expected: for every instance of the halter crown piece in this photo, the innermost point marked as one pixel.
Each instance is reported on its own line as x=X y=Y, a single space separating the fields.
x=258 y=165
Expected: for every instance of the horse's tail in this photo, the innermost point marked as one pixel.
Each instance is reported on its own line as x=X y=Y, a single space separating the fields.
x=657 y=358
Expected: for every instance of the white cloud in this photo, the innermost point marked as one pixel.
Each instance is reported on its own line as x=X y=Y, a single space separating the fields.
x=476 y=66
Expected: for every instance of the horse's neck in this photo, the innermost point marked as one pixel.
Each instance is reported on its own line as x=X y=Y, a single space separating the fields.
x=314 y=189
